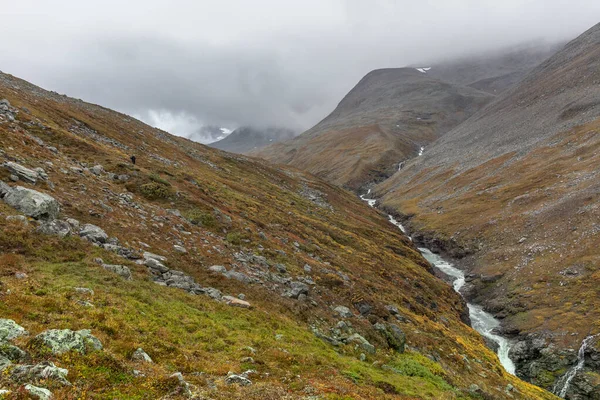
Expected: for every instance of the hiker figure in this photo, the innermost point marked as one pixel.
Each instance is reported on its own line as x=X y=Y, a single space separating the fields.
x=133 y=159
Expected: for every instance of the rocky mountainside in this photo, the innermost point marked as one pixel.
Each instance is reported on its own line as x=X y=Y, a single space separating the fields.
x=516 y=189
x=383 y=121
x=247 y=139
x=195 y=273
x=495 y=71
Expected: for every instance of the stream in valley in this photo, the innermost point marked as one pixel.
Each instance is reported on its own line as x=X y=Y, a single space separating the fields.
x=481 y=321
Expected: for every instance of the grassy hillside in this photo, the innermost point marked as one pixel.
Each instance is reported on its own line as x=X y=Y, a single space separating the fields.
x=294 y=246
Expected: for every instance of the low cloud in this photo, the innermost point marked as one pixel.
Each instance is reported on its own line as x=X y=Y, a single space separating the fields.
x=263 y=63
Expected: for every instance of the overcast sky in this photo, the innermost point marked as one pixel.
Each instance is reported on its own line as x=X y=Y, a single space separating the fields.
x=183 y=64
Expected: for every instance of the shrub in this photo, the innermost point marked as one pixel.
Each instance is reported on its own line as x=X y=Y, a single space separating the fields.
x=154 y=191
x=199 y=217
x=158 y=179
x=234 y=238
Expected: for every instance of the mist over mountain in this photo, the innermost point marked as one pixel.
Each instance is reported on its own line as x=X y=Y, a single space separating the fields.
x=248 y=139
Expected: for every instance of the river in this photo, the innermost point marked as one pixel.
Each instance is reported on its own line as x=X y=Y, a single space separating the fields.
x=483 y=322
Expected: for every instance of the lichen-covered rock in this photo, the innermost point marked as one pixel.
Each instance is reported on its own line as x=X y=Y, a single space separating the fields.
x=141 y=356
x=296 y=289
x=218 y=269
x=155 y=265
x=38 y=392
x=233 y=379
x=362 y=342
x=55 y=227
x=343 y=311
x=10 y=330
x=13 y=353
x=32 y=203
x=40 y=372
x=120 y=270
x=394 y=336
x=60 y=341
x=93 y=233
x=4 y=363
x=24 y=173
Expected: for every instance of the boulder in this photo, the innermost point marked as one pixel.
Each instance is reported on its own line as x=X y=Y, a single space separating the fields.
x=233 y=379
x=60 y=341
x=140 y=356
x=4 y=189
x=38 y=392
x=156 y=265
x=362 y=342
x=296 y=289
x=97 y=170
x=238 y=276
x=218 y=269
x=32 y=203
x=10 y=330
x=120 y=270
x=4 y=363
x=394 y=336
x=55 y=227
x=26 y=174
x=235 y=302
x=93 y=233
x=343 y=312
x=147 y=255
x=43 y=371
x=13 y=353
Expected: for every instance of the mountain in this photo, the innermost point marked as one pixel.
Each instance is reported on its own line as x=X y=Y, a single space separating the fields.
x=383 y=121
x=195 y=273
x=209 y=134
x=247 y=139
x=496 y=71
x=516 y=189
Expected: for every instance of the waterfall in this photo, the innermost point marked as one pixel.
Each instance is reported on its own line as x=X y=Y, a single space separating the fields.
x=562 y=385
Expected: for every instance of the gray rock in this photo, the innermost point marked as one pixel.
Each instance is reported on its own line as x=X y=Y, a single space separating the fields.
x=120 y=270
x=13 y=178
x=156 y=265
x=218 y=269
x=26 y=174
x=60 y=341
x=362 y=342
x=180 y=249
x=343 y=312
x=141 y=356
x=20 y=218
x=307 y=268
x=20 y=275
x=10 y=330
x=32 y=203
x=13 y=353
x=55 y=227
x=38 y=392
x=93 y=233
x=4 y=363
x=4 y=392
x=394 y=336
x=41 y=173
x=97 y=170
x=40 y=372
x=73 y=222
x=147 y=255
x=238 y=276
x=296 y=289
x=4 y=189
x=184 y=387
x=233 y=379
x=213 y=293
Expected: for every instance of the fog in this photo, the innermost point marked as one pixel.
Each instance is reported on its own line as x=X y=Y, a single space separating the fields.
x=180 y=65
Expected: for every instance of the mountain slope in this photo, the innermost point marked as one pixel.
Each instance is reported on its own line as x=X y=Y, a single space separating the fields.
x=381 y=122
x=516 y=186
x=496 y=71
x=247 y=139
x=326 y=298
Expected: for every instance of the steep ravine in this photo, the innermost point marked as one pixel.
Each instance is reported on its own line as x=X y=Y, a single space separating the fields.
x=481 y=321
